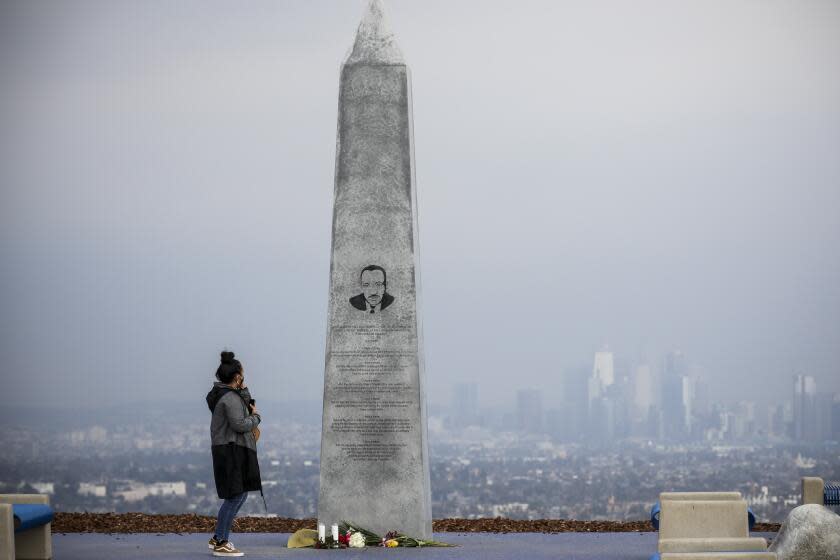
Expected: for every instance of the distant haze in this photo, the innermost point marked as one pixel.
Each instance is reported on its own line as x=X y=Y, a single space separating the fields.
x=650 y=175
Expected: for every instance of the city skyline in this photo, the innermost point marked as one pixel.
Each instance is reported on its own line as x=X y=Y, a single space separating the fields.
x=808 y=411
x=680 y=409
x=533 y=457
x=497 y=469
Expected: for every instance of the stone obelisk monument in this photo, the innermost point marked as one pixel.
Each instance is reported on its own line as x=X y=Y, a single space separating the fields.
x=374 y=452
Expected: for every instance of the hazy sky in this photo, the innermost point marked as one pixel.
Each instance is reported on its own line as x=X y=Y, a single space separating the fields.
x=652 y=175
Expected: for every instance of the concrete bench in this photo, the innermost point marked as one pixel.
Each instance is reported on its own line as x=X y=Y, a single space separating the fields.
x=25 y=527
x=707 y=526
x=657 y=507
x=817 y=491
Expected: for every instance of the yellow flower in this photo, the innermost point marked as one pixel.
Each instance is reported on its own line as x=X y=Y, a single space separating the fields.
x=392 y=543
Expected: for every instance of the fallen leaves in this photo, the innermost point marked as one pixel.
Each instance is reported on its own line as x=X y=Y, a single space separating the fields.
x=191 y=523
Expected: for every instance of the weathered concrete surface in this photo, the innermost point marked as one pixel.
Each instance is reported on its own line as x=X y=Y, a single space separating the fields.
x=694 y=496
x=472 y=546
x=374 y=452
x=266 y=546
x=713 y=528
x=813 y=489
x=33 y=543
x=811 y=532
x=753 y=544
x=374 y=43
x=703 y=519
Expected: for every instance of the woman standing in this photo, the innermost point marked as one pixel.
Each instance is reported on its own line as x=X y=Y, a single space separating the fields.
x=234 y=446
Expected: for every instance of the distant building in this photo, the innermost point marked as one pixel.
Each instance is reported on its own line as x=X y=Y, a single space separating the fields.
x=168 y=489
x=835 y=418
x=514 y=510
x=529 y=411
x=744 y=421
x=97 y=434
x=132 y=491
x=677 y=396
x=593 y=392
x=560 y=422
x=465 y=405
x=674 y=364
x=643 y=390
x=604 y=419
x=603 y=376
x=805 y=408
x=825 y=402
x=779 y=420
x=687 y=386
x=43 y=487
x=576 y=394
x=92 y=489
x=604 y=368
x=702 y=404
x=656 y=423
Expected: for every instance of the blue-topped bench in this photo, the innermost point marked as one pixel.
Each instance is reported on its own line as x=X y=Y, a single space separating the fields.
x=25 y=527
x=706 y=525
x=657 y=507
x=816 y=491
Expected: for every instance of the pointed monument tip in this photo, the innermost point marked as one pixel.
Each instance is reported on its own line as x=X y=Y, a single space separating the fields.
x=375 y=42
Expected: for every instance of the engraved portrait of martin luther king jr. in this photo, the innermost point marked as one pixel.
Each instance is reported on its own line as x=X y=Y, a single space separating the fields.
x=374 y=297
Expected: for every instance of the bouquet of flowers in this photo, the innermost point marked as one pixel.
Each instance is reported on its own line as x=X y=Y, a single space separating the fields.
x=354 y=536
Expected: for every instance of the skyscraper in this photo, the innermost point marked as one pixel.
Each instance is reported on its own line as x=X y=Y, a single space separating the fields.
x=603 y=394
x=576 y=393
x=604 y=368
x=677 y=396
x=824 y=403
x=643 y=390
x=603 y=375
x=804 y=408
x=465 y=405
x=529 y=413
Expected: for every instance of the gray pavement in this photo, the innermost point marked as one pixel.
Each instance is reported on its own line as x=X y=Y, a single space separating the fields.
x=262 y=546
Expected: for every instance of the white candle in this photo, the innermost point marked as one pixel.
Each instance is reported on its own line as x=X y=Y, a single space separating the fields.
x=335 y=532
x=322 y=532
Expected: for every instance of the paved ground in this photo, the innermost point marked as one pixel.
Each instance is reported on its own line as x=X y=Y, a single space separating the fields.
x=264 y=546
x=261 y=546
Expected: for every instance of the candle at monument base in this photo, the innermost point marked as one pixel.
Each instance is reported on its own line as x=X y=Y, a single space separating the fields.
x=322 y=532
x=334 y=532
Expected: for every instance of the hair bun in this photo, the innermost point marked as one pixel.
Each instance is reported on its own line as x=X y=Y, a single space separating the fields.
x=227 y=357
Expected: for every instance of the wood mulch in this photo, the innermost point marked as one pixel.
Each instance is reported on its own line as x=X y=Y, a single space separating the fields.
x=191 y=523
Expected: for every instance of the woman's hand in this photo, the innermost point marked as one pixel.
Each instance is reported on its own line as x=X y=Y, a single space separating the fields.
x=254 y=409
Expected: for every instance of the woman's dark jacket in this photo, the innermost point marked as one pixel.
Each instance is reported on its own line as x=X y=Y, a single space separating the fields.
x=234 y=447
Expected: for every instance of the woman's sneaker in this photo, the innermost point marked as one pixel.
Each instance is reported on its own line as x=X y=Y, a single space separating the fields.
x=212 y=543
x=226 y=548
